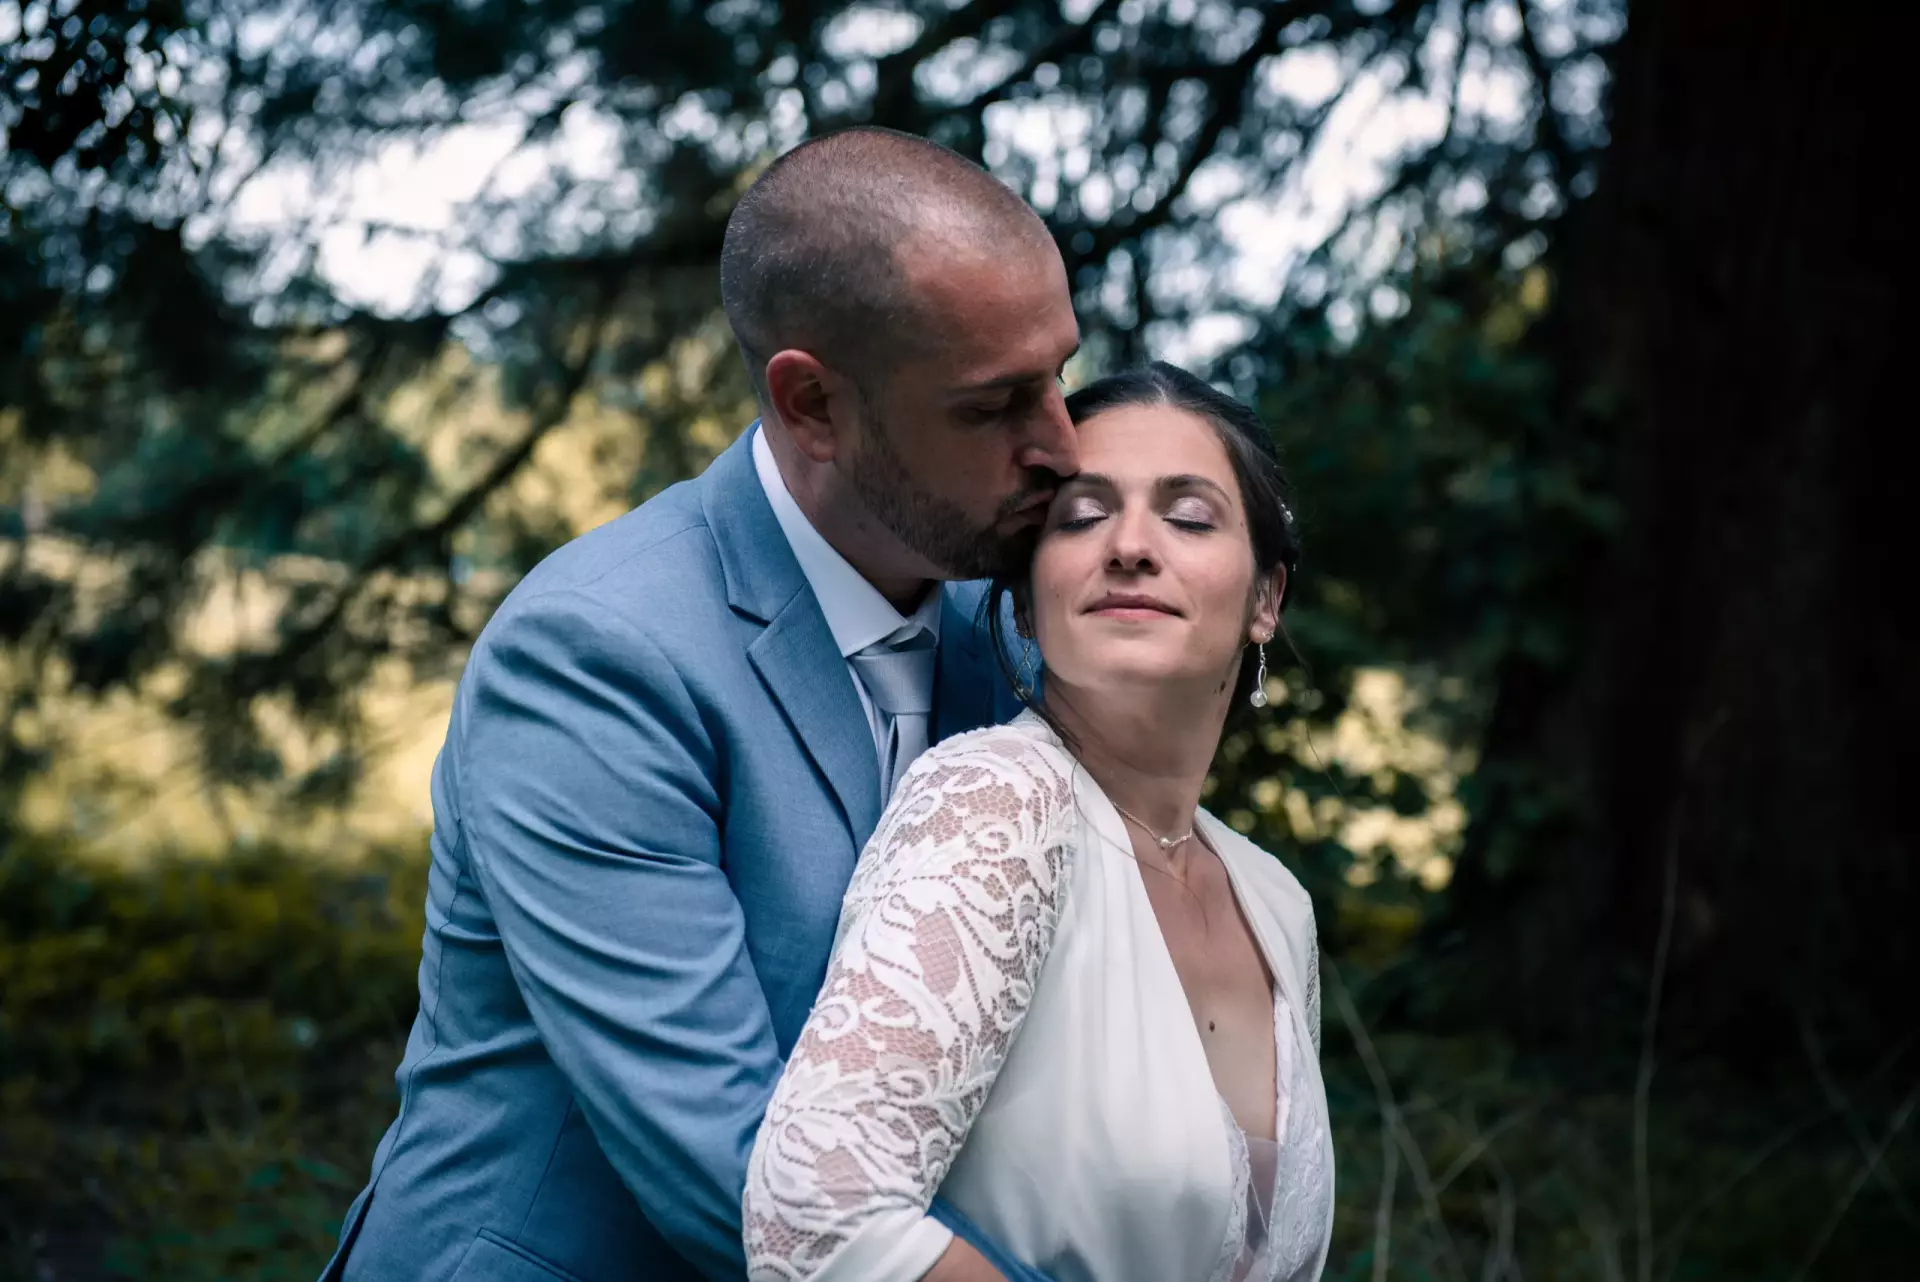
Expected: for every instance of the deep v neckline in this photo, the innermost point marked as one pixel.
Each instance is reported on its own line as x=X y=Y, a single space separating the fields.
x=1277 y=990
x=1207 y=826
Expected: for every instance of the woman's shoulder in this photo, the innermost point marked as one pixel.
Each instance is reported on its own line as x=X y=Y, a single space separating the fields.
x=993 y=797
x=1023 y=749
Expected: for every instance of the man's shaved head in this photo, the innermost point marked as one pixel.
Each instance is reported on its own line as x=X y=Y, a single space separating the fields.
x=812 y=253
x=905 y=320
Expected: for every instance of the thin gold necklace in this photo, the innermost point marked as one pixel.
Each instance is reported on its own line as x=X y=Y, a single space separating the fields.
x=1165 y=843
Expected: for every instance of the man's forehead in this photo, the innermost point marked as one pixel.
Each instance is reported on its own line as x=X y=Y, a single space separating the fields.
x=997 y=333
x=965 y=272
x=1017 y=365
x=990 y=316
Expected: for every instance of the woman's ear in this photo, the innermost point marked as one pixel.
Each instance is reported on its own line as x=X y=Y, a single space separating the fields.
x=1267 y=595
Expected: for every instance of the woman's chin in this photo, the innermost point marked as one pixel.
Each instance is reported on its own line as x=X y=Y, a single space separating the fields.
x=1133 y=676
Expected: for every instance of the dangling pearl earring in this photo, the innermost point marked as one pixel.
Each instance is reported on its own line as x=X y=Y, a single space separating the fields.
x=1023 y=682
x=1259 y=696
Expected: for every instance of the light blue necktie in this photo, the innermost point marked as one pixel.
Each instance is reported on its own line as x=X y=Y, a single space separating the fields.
x=898 y=676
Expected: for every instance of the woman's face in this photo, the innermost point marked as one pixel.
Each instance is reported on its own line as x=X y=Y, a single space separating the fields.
x=1144 y=574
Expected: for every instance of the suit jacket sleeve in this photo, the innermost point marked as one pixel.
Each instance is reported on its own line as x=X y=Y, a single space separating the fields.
x=587 y=801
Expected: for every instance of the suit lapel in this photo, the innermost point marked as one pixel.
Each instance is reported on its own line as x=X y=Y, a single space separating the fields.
x=969 y=690
x=806 y=675
x=795 y=655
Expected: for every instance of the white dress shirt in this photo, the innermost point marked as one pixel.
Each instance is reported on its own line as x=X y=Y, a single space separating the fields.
x=857 y=615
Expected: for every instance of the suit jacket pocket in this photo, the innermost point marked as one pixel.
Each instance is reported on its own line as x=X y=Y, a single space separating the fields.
x=492 y=1258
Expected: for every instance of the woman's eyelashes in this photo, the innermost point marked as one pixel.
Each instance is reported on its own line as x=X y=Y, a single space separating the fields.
x=1191 y=514
x=1072 y=523
x=1188 y=514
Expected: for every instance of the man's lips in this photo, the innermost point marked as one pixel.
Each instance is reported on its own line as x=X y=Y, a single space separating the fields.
x=1032 y=509
x=1040 y=499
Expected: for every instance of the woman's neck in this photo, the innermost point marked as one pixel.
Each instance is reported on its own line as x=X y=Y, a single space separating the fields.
x=1148 y=752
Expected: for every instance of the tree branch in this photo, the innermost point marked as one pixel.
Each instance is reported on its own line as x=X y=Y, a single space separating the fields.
x=1226 y=82
x=893 y=87
x=397 y=546
x=1069 y=40
x=1553 y=138
x=1901 y=1116
x=1837 y=1100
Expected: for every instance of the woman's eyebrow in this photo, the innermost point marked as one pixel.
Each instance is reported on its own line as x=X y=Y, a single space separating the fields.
x=1176 y=484
x=1088 y=481
x=1188 y=481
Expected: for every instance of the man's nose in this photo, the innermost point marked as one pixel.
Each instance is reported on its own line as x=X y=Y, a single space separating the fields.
x=1052 y=440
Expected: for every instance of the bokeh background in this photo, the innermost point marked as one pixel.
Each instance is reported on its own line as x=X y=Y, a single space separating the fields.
x=322 y=320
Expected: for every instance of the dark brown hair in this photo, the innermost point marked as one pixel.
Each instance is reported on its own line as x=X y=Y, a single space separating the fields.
x=1264 y=492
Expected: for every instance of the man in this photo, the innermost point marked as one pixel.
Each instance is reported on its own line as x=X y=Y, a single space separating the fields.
x=676 y=734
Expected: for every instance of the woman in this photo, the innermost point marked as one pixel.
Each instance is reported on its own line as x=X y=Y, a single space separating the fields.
x=1159 y=1116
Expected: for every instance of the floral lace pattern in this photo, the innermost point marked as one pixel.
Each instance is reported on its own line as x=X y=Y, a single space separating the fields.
x=1313 y=991
x=946 y=925
x=1233 y=1243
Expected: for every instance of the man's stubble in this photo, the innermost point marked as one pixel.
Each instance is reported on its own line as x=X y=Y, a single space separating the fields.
x=930 y=525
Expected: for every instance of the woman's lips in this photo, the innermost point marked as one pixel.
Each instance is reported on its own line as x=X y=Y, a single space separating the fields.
x=1132 y=607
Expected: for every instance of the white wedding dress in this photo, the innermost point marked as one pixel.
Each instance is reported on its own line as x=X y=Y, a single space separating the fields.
x=999 y=896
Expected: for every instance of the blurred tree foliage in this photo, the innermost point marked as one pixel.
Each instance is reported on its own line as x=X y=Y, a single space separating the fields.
x=215 y=404
x=1574 y=393
x=1580 y=392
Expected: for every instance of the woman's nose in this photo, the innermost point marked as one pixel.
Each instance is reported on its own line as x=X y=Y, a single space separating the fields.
x=1131 y=546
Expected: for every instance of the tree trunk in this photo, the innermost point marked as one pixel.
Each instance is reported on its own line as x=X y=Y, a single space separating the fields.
x=1737 y=717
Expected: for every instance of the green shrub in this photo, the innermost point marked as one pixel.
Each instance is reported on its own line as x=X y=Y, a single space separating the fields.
x=196 y=1060
x=195 y=1055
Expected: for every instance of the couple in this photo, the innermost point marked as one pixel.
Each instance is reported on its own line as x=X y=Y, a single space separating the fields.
x=727 y=972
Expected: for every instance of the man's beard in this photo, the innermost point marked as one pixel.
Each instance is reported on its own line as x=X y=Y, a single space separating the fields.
x=930 y=526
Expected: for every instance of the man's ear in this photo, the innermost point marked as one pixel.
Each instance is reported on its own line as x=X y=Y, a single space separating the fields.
x=803 y=393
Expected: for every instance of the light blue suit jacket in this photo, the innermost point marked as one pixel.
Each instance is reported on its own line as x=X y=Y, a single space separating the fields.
x=654 y=786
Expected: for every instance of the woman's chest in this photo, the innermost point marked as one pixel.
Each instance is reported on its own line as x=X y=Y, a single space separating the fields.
x=1226 y=982
x=1109 y=1075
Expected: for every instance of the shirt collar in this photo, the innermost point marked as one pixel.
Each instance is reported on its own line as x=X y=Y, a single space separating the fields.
x=857 y=615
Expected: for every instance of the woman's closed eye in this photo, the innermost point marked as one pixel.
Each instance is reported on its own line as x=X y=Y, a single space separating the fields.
x=1081 y=513
x=1192 y=514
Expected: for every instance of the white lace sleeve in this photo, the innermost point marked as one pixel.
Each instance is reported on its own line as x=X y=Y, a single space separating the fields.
x=946 y=924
